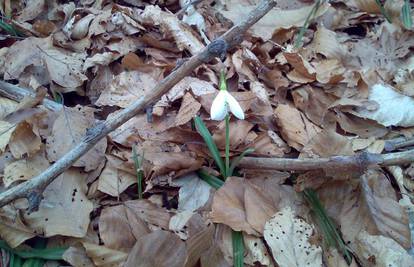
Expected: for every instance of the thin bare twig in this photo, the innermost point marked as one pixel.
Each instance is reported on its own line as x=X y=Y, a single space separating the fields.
x=16 y=93
x=33 y=188
x=361 y=160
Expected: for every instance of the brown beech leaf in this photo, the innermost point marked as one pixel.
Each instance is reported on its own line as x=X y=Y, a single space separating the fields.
x=24 y=169
x=103 y=256
x=148 y=212
x=236 y=204
x=303 y=71
x=194 y=192
x=238 y=133
x=188 y=110
x=385 y=251
x=126 y=88
x=273 y=20
x=64 y=209
x=24 y=141
x=157 y=249
x=183 y=35
x=313 y=102
x=13 y=229
x=296 y=129
x=6 y=130
x=68 y=130
x=76 y=256
x=328 y=143
x=198 y=88
x=114 y=179
x=172 y=164
x=119 y=228
x=388 y=215
x=288 y=238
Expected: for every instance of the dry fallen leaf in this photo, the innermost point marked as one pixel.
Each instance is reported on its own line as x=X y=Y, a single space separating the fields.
x=383 y=250
x=64 y=209
x=157 y=249
x=68 y=130
x=105 y=257
x=288 y=238
x=119 y=228
x=194 y=192
x=24 y=169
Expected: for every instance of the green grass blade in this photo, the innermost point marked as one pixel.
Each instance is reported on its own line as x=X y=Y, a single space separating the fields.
x=138 y=170
x=8 y=28
x=238 y=248
x=213 y=181
x=383 y=11
x=237 y=160
x=46 y=253
x=34 y=263
x=208 y=139
x=298 y=41
x=15 y=261
x=326 y=225
x=227 y=150
x=406 y=15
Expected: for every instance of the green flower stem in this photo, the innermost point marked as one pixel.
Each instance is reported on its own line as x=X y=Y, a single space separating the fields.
x=227 y=151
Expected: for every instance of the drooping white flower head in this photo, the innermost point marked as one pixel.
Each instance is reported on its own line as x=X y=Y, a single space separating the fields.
x=224 y=102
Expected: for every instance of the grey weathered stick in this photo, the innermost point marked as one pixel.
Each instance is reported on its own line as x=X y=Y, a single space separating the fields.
x=33 y=188
x=362 y=160
x=16 y=93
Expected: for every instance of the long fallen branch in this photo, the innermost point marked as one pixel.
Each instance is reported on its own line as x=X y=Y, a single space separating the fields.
x=361 y=161
x=33 y=188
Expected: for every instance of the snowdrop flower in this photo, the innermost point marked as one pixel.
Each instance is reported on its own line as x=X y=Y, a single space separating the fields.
x=224 y=102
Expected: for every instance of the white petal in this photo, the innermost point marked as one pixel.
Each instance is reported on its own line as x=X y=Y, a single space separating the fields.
x=234 y=106
x=219 y=107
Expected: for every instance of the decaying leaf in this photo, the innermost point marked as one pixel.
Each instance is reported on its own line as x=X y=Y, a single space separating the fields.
x=24 y=142
x=64 y=209
x=194 y=192
x=295 y=127
x=68 y=129
x=288 y=238
x=157 y=249
x=119 y=228
x=394 y=109
x=114 y=179
x=24 y=169
x=103 y=256
x=379 y=250
x=12 y=227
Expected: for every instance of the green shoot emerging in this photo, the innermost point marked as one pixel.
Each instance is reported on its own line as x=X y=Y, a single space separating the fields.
x=331 y=236
x=138 y=169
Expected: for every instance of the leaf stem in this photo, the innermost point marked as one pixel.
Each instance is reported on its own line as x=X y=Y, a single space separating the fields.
x=227 y=151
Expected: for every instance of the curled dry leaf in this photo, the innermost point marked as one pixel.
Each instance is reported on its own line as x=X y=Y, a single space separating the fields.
x=394 y=109
x=183 y=35
x=31 y=10
x=198 y=88
x=120 y=227
x=388 y=215
x=288 y=238
x=103 y=256
x=273 y=20
x=68 y=130
x=383 y=251
x=157 y=249
x=328 y=143
x=172 y=164
x=65 y=208
x=24 y=142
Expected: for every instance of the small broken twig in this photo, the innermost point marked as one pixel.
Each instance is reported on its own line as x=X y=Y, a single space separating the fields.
x=17 y=93
x=361 y=160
